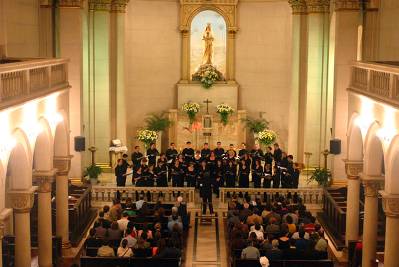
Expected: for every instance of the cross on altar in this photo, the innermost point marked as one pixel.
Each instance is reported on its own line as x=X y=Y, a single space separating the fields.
x=207 y=102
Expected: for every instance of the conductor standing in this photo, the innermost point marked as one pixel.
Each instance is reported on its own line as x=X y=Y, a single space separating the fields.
x=206 y=188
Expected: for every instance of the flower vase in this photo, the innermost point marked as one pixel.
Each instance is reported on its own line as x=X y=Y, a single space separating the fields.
x=256 y=138
x=159 y=141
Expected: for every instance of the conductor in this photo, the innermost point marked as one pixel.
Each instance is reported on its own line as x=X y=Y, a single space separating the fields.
x=205 y=184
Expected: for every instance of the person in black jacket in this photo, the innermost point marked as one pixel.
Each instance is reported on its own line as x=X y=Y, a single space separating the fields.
x=120 y=173
x=136 y=157
x=152 y=154
x=205 y=184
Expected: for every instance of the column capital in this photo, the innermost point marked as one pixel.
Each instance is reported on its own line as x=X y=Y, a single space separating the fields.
x=44 y=179
x=22 y=200
x=62 y=164
x=318 y=6
x=119 y=6
x=62 y=3
x=298 y=6
x=353 y=168
x=100 y=5
x=340 y=5
x=372 y=184
x=390 y=204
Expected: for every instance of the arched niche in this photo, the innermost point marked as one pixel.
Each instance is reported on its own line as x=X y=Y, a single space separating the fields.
x=392 y=171
x=61 y=138
x=43 y=151
x=355 y=140
x=374 y=162
x=189 y=9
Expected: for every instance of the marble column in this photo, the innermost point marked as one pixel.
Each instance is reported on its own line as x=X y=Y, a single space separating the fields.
x=298 y=83
x=370 y=229
x=117 y=80
x=46 y=29
x=44 y=179
x=315 y=108
x=231 y=50
x=185 y=64
x=353 y=169
x=21 y=202
x=391 y=209
x=62 y=164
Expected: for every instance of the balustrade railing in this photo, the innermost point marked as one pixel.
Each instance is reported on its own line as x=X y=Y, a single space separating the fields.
x=376 y=80
x=312 y=197
x=102 y=194
x=25 y=80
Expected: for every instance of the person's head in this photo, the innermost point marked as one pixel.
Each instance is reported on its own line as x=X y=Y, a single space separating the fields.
x=152 y=145
x=128 y=231
x=162 y=156
x=198 y=153
x=206 y=145
x=292 y=242
x=160 y=162
x=177 y=162
x=257 y=227
x=120 y=162
x=150 y=167
x=137 y=148
x=219 y=144
x=105 y=209
x=258 y=163
x=289 y=219
x=231 y=146
x=301 y=233
x=172 y=145
x=175 y=217
x=114 y=226
x=276 y=146
x=124 y=243
x=92 y=232
x=203 y=164
x=243 y=146
x=275 y=243
x=191 y=167
x=290 y=158
x=144 y=235
x=179 y=199
x=105 y=242
x=269 y=149
x=256 y=146
x=101 y=214
x=188 y=144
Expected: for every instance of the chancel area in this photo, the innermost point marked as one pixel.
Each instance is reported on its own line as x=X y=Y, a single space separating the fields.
x=228 y=133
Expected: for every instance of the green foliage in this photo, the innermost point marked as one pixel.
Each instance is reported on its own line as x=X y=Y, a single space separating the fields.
x=256 y=125
x=322 y=176
x=158 y=122
x=92 y=171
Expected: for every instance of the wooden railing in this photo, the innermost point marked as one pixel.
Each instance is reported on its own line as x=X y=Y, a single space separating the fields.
x=335 y=214
x=105 y=194
x=379 y=81
x=312 y=197
x=29 y=79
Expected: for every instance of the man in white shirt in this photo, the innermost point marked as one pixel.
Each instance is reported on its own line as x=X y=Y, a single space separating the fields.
x=139 y=203
x=258 y=231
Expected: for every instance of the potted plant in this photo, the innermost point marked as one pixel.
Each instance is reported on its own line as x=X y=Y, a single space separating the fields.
x=267 y=137
x=158 y=122
x=191 y=109
x=93 y=171
x=147 y=137
x=255 y=125
x=224 y=111
x=322 y=176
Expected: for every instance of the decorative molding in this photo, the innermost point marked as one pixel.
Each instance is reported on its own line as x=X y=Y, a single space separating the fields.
x=100 y=5
x=63 y=165
x=44 y=179
x=353 y=169
x=119 y=6
x=298 y=6
x=22 y=200
x=318 y=6
x=371 y=187
x=390 y=204
x=71 y=3
x=340 y=5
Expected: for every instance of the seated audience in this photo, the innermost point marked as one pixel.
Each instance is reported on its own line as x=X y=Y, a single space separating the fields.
x=105 y=250
x=114 y=233
x=250 y=252
x=124 y=221
x=124 y=251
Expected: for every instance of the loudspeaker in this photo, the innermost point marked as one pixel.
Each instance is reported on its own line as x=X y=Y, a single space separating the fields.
x=80 y=143
x=335 y=146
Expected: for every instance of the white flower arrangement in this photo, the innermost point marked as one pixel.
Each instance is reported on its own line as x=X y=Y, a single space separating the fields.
x=147 y=136
x=267 y=137
x=224 y=111
x=191 y=108
x=207 y=74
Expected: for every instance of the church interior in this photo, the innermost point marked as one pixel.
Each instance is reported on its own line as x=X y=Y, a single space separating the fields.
x=216 y=133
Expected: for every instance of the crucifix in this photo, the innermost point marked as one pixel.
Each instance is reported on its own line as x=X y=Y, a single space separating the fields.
x=207 y=102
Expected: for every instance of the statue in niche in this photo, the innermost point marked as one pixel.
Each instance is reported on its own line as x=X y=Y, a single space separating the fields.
x=207 y=37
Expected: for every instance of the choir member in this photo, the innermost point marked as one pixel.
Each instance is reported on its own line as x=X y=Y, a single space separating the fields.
x=276 y=177
x=219 y=151
x=257 y=173
x=171 y=153
x=138 y=178
x=231 y=150
x=256 y=154
x=160 y=172
x=295 y=176
x=277 y=153
x=177 y=175
x=188 y=152
x=243 y=175
x=243 y=150
x=211 y=163
x=205 y=185
x=191 y=175
x=152 y=153
x=268 y=156
x=137 y=156
x=120 y=173
x=230 y=174
x=197 y=158
x=205 y=151
x=267 y=181
x=218 y=177
x=150 y=176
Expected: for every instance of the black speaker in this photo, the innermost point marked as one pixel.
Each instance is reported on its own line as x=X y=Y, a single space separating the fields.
x=80 y=143
x=335 y=146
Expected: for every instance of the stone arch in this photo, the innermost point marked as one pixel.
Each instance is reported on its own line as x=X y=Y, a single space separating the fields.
x=374 y=162
x=43 y=151
x=355 y=140
x=392 y=170
x=217 y=9
x=19 y=164
x=61 y=138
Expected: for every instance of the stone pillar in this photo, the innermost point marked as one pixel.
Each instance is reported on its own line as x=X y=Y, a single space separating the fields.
x=343 y=51
x=185 y=64
x=46 y=30
x=231 y=50
x=5 y=214
x=22 y=201
x=44 y=179
x=391 y=209
x=298 y=83
x=62 y=164
x=371 y=187
x=117 y=82
x=353 y=169
x=315 y=107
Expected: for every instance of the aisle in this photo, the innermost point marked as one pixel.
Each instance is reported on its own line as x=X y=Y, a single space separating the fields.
x=206 y=244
